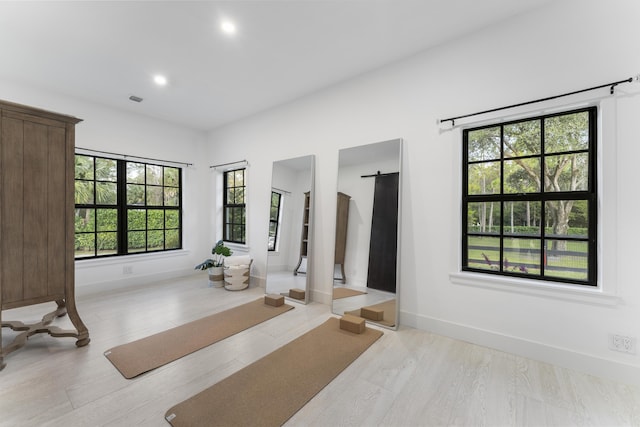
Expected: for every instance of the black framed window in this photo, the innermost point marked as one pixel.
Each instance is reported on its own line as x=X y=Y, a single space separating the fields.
x=529 y=206
x=124 y=207
x=274 y=219
x=234 y=209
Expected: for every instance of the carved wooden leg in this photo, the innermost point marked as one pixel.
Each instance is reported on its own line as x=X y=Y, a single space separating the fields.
x=62 y=308
x=83 y=332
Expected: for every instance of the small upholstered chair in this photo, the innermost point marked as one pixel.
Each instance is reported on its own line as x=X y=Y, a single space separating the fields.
x=237 y=270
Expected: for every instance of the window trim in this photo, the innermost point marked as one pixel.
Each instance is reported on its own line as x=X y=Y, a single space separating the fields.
x=590 y=195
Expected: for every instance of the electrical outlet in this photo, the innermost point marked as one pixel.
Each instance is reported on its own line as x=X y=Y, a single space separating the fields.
x=127 y=269
x=622 y=343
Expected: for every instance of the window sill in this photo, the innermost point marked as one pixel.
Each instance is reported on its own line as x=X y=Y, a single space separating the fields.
x=538 y=288
x=125 y=259
x=242 y=247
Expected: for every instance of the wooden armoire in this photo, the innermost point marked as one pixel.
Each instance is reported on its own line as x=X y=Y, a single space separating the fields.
x=342 y=221
x=37 y=151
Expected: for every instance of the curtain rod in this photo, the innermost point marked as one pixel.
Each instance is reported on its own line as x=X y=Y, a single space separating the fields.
x=611 y=86
x=227 y=164
x=126 y=156
x=378 y=174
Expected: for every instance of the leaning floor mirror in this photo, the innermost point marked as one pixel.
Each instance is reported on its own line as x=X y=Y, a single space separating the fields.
x=366 y=272
x=291 y=228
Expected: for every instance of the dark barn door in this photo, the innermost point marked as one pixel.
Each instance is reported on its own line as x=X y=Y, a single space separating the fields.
x=384 y=234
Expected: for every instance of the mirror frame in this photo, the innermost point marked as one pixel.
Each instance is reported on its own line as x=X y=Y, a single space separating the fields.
x=309 y=226
x=399 y=143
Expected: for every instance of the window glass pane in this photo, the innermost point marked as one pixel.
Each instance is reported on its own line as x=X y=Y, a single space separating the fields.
x=84 y=192
x=85 y=220
x=154 y=175
x=172 y=218
x=566 y=259
x=484 y=178
x=484 y=144
x=483 y=252
x=155 y=240
x=106 y=170
x=107 y=243
x=522 y=176
x=107 y=220
x=483 y=217
x=238 y=233
x=171 y=177
x=106 y=193
x=137 y=241
x=136 y=219
x=135 y=194
x=273 y=234
x=522 y=139
x=239 y=178
x=230 y=181
x=567 y=172
x=85 y=245
x=155 y=219
x=237 y=215
x=172 y=239
x=275 y=206
x=521 y=218
x=567 y=218
x=521 y=256
x=83 y=167
x=569 y=132
x=154 y=196
x=171 y=196
x=231 y=196
x=135 y=173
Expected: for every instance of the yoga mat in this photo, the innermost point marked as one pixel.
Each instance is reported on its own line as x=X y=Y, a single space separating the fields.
x=269 y=391
x=389 y=308
x=345 y=292
x=148 y=353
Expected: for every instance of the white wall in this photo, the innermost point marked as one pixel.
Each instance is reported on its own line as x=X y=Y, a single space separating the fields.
x=116 y=131
x=566 y=46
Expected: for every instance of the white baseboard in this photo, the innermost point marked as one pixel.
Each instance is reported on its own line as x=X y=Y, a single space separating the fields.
x=565 y=358
x=90 y=289
x=321 y=297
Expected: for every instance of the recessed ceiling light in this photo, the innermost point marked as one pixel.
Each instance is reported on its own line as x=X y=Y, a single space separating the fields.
x=228 y=27
x=160 y=80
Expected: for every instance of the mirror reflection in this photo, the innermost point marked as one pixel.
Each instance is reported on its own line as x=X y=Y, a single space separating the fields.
x=367 y=228
x=290 y=228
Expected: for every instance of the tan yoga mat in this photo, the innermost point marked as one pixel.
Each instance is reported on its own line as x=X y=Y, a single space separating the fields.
x=269 y=391
x=148 y=353
x=389 y=308
x=345 y=292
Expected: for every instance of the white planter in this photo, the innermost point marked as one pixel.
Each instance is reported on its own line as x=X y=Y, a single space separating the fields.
x=216 y=277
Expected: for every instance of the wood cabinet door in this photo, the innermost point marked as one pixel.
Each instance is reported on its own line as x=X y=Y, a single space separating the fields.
x=33 y=203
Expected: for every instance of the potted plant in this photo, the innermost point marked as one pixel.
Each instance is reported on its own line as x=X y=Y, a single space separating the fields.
x=215 y=265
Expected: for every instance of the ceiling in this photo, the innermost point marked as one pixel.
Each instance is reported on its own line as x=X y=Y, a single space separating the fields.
x=106 y=51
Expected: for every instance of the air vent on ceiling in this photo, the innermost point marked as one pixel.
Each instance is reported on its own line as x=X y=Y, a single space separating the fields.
x=135 y=98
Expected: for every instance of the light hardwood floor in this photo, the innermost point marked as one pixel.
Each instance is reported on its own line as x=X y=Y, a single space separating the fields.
x=407 y=378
